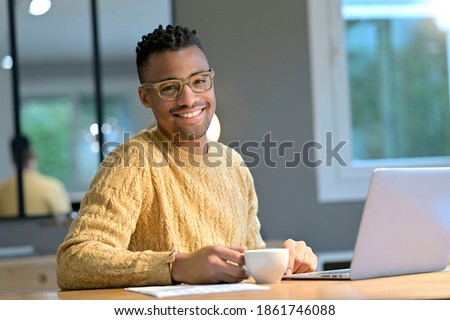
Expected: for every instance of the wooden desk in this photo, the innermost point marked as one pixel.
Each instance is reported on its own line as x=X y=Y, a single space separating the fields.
x=434 y=285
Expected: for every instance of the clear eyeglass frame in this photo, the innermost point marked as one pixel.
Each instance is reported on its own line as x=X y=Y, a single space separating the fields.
x=172 y=89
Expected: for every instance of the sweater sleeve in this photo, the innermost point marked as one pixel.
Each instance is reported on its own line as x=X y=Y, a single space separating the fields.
x=254 y=239
x=94 y=253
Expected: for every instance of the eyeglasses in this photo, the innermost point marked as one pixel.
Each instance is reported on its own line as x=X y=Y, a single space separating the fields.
x=171 y=89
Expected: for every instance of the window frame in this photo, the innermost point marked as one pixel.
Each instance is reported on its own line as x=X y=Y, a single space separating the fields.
x=332 y=109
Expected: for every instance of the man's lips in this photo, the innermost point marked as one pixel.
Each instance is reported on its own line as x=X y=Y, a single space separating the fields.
x=189 y=113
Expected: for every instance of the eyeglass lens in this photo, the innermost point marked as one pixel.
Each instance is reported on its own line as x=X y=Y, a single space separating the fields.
x=198 y=83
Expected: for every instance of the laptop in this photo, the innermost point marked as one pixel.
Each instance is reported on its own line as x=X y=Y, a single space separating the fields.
x=404 y=229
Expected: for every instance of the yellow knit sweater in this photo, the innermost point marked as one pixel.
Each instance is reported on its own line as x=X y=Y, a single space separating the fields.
x=149 y=199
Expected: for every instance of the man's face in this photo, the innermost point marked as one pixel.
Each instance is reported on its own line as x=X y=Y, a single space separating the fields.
x=190 y=114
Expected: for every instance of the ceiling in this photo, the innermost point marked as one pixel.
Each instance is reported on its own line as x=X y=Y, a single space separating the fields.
x=64 y=33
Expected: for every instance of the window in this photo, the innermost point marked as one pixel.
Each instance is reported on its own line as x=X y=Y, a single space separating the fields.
x=67 y=149
x=380 y=73
x=46 y=122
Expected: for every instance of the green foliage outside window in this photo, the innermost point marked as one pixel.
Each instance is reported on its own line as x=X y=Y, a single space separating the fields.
x=47 y=123
x=399 y=88
x=60 y=132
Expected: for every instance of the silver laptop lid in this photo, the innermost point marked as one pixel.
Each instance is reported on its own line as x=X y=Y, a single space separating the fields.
x=405 y=227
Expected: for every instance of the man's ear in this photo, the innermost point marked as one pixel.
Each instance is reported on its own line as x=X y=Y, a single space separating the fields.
x=143 y=96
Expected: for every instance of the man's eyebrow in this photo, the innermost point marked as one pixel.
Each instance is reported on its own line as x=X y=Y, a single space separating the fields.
x=174 y=78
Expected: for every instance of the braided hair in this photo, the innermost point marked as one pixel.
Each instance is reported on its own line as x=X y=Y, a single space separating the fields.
x=172 y=38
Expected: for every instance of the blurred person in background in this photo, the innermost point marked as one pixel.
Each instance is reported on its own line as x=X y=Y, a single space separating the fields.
x=43 y=195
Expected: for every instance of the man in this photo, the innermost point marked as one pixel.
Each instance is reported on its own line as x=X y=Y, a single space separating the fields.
x=43 y=195
x=168 y=206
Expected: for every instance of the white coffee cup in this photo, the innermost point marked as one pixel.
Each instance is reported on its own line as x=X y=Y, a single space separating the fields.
x=267 y=265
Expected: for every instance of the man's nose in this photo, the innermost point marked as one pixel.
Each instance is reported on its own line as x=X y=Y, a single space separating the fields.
x=187 y=96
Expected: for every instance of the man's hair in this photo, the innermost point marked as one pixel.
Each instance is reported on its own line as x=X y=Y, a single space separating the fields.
x=23 y=143
x=172 y=38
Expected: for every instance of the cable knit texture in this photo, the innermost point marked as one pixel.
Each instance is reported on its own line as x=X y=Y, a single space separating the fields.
x=149 y=199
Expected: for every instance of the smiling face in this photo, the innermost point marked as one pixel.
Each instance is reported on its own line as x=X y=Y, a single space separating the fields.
x=189 y=115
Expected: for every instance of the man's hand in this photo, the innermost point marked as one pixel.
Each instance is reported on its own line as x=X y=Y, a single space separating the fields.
x=212 y=264
x=301 y=257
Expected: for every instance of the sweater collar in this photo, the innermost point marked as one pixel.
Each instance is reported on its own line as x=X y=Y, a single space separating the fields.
x=179 y=154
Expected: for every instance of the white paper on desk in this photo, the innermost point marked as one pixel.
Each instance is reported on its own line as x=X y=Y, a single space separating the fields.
x=184 y=290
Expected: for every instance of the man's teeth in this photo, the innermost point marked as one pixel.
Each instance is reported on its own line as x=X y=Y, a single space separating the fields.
x=190 y=115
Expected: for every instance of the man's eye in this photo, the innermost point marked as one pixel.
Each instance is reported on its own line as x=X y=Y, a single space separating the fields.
x=199 y=81
x=168 y=88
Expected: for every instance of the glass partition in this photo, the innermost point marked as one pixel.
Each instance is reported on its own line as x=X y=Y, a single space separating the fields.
x=57 y=77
